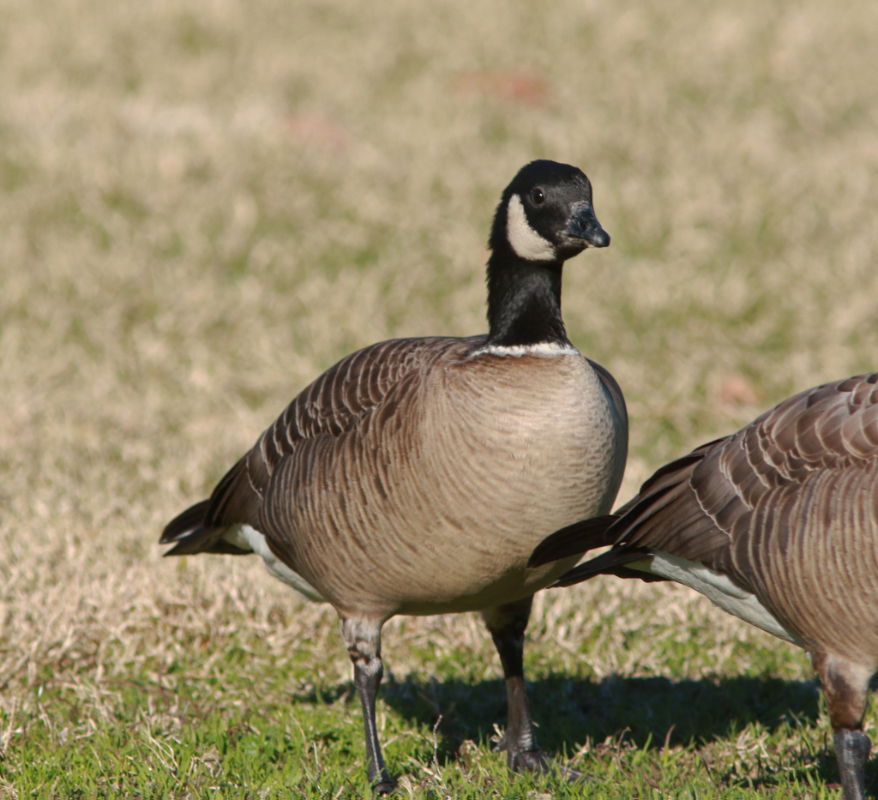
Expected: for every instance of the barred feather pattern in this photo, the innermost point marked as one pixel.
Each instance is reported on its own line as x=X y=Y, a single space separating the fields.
x=328 y=407
x=416 y=476
x=788 y=508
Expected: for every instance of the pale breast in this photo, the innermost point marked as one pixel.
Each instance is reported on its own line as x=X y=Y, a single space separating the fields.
x=540 y=440
x=514 y=448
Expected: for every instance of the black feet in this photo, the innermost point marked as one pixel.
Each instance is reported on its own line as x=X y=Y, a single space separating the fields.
x=535 y=760
x=528 y=761
x=384 y=786
x=852 y=751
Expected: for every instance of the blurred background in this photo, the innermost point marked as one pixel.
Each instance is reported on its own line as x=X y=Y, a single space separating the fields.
x=205 y=203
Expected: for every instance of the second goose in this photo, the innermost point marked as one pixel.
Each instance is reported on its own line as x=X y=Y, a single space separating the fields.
x=417 y=475
x=778 y=525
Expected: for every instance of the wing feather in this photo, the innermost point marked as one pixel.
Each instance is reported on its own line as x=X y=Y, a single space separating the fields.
x=356 y=385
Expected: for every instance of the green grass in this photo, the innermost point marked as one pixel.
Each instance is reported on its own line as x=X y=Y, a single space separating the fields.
x=245 y=732
x=204 y=204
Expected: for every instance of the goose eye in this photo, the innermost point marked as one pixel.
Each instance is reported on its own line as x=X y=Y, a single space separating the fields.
x=538 y=196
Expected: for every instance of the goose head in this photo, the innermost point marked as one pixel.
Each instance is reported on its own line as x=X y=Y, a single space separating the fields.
x=546 y=214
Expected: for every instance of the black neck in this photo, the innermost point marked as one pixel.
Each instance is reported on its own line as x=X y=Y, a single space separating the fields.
x=524 y=301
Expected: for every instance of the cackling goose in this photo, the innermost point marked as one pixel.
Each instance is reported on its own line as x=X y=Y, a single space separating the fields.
x=417 y=475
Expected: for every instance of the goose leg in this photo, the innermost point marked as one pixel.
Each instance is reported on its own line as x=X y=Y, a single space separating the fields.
x=846 y=688
x=507 y=624
x=852 y=752
x=363 y=641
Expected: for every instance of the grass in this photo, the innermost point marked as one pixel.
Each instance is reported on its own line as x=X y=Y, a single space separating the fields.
x=204 y=204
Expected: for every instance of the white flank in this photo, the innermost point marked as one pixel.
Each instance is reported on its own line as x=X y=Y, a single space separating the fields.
x=525 y=241
x=540 y=349
x=717 y=588
x=248 y=538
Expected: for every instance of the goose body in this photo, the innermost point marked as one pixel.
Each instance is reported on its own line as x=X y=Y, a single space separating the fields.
x=417 y=475
x=493 y=433
x=777 y=524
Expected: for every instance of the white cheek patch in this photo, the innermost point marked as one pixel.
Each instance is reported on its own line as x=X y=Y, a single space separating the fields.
x=525 y=241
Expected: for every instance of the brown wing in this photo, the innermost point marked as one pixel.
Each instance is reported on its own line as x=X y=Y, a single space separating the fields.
x=355 y=386
x=702 y=506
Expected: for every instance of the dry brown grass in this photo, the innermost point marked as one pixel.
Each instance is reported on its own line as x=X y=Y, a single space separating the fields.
x=206 y=203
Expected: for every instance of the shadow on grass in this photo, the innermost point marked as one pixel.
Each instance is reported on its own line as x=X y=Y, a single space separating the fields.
x=569 y=711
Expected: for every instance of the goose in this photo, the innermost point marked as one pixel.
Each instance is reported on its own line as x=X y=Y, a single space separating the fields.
x=778 y=525
x=417 y=475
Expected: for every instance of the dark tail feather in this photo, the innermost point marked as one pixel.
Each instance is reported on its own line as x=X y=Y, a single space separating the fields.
x=187 y=522
x=611 y=563
x=205 y=540
x=191 y=535
x=575 y=539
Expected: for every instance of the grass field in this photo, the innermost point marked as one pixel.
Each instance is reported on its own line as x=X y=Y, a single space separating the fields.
x=204 y=204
